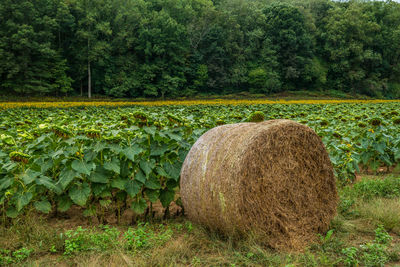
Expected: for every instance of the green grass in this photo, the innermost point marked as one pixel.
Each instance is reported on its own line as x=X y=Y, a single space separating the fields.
x=364 y=233
x=381 y=211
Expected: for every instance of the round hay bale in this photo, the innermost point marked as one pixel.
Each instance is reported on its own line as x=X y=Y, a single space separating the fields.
x=273 y=179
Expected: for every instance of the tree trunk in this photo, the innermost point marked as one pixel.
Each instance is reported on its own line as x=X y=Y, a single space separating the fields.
x=89 y=74
x=81 y=88
x=89 y=82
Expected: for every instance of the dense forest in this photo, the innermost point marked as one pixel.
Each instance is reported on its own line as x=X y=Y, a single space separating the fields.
x=171 y=48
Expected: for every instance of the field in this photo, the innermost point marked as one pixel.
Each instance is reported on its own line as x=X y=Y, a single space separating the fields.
x=68 y=165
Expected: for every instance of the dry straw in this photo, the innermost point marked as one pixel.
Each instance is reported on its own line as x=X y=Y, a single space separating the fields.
x=273 y=179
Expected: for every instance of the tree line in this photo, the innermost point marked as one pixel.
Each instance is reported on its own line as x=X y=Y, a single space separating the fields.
x=171 y=48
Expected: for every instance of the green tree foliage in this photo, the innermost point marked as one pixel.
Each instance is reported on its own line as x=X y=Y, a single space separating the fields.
x=350 y=41
x=30 y=60
x=262 y=81
x=286 y=28
x=170 y=48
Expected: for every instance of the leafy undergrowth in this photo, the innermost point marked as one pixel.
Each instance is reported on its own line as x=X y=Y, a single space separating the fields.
x=365 y=232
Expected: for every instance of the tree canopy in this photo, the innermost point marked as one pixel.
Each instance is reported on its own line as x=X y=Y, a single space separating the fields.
x=171 y=48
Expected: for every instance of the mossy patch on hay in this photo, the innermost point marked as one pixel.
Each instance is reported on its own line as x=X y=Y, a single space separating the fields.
x=273 y=179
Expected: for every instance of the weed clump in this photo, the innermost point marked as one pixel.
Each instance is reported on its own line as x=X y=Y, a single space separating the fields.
x=256 y=116
x=374 y=253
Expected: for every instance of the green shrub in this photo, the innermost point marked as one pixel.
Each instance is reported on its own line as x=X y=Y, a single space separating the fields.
x=381 y=236
x=370 y=254
x=138 y=237
x=256 y=116
x=263 y=81
x=350 y=256
x=374 y=254
x=82 y=239
x=8 y=257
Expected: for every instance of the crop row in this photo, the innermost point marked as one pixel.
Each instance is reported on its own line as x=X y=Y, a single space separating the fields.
x=112 y=158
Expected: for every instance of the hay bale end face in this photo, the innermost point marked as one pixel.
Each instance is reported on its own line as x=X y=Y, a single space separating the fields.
x=273 y=179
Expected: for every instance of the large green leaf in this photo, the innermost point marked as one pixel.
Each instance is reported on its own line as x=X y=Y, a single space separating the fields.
x=22 y=200
x=166 y=197
x=160 y=171
x=139 y=206
x=12 y=212
x=174 y=136
x=80 y=194
x=118 y=183
x=132 y=187
x=49 y=184
x=147 y=166
x=63 y=203
x=46 y=164
x=132 y=152
x=380 y=147
x=125 y=168
x=152 y=182
x=150 y=130
x=9 y=167
x=97 y=189
x=66 y=177
x=29 y=176
x=43 y=206
x=6 y=183
x=100 y=175
x=152 y=195
x=57 y=154
x=158 y=150
x=113 y=165
x=173 y=170
x=139 y=176
x=90 y=154
x=82 y=166
x=99 y=147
